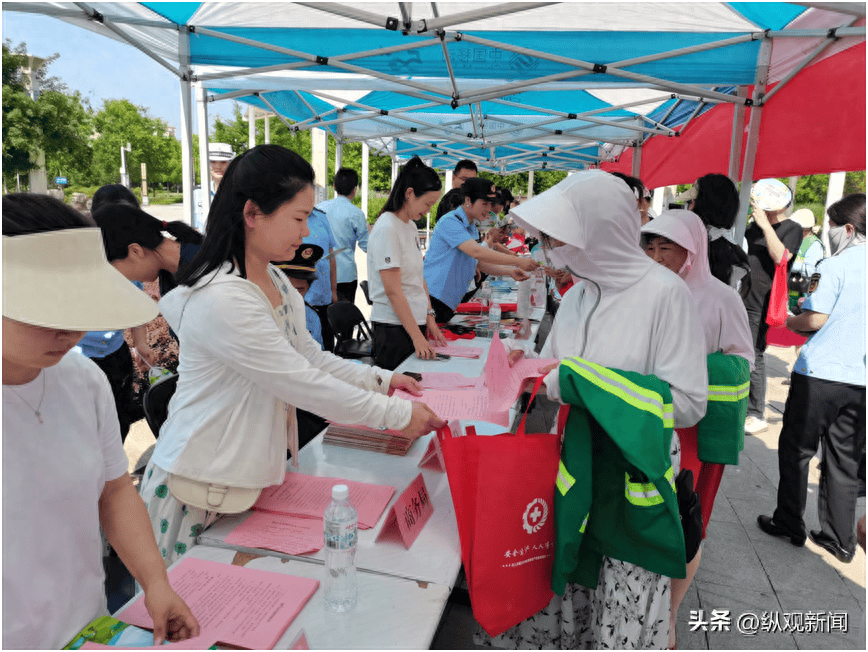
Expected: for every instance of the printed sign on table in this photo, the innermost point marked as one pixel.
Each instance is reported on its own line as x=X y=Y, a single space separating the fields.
x=409 y=514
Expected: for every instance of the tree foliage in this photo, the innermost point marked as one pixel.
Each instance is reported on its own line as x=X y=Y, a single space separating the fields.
x=121 y=122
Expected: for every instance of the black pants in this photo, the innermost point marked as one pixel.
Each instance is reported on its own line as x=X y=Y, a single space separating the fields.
x=442 y=312
x=347 y=291
x=118 y=368
x=328 y=338
x=821 y=411
x=756 y=402
x=391 y=345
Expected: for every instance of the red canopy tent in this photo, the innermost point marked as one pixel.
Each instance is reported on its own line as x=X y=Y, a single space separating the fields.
x=814 y=125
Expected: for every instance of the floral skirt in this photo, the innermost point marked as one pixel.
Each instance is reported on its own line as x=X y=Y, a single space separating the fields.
x=176 y=526
x=629 y=610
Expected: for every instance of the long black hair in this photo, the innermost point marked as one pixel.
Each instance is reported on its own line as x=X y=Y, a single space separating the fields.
x=847 y=210
x=449 y=202
x=123 y=225
x=25 y=214
x=717 y=204
x=267 y=175
x=113 y=193
x=416 y=175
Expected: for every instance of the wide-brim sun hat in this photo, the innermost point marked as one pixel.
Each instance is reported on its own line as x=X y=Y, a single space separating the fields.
x=688 y=195
x=62 y=279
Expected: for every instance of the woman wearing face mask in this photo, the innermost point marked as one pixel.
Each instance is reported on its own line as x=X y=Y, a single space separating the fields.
x=678 y=241
x=826 y=402
x=625 y=312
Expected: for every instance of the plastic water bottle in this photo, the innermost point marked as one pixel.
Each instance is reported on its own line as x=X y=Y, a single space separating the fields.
x=341 y=525
x=485 y=294
x=494 y=319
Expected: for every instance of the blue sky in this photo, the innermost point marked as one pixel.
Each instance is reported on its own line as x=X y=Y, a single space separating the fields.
x=102 y=68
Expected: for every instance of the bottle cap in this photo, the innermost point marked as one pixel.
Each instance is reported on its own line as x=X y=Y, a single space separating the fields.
x=340 y=492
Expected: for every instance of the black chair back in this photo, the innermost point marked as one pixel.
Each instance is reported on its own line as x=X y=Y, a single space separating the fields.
x=156 y=401
x=364 y=286
x=352 y=332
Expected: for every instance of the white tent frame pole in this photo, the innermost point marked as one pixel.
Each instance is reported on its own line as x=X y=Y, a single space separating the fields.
x=554 y=150
x=186 y=125
x=762 y=76
x=366 y=152
x=737 y=137
x=307 y=105
x=216 y=97
x=277 y=113
x=204 y=165
x=618 y=64
x=636 y=171
x=693 y=114
x=578 y=63
x=349 y=12
x=843 y=32
x=313 y=60
x=94 y=15
x=251 y=126
x=856 y=9
x=813 y=55
x=246 y=72
x=504 y=9
x=339 y=150
x=58 y=12
x=317 y=117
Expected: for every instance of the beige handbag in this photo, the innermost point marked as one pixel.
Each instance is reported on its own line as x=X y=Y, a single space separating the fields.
x=212 y=497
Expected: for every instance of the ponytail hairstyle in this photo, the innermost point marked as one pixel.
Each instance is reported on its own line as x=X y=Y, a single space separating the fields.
x=717 y=204
x=449 y=202
x=113 y=193
x=416 y=175
x=267 y=175
x=849 y=210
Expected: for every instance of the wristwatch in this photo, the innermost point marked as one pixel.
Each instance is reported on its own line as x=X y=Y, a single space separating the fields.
x=431 y=312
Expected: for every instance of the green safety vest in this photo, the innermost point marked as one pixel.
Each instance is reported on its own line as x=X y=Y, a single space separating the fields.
x=720 y=433
x=615 y=492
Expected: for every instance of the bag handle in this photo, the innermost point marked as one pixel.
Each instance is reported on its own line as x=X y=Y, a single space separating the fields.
x=537 y=384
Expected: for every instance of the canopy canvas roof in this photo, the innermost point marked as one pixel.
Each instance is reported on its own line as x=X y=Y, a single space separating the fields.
x=513 y=86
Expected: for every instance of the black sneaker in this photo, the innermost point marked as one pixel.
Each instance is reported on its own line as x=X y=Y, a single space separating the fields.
x=768 y=525
x=828 y=543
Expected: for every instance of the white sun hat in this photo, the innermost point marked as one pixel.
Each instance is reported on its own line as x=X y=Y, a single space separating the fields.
x=804 y=217
x=220 y=152
x=62 y=279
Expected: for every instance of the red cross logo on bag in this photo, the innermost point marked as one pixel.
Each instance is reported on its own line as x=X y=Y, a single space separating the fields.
x=535 y=515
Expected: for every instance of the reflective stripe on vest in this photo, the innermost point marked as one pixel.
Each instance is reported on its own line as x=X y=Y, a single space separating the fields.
x=564 y=480
x=645 y=494
x=728 y=393
x=584 y=523
x=624 y=389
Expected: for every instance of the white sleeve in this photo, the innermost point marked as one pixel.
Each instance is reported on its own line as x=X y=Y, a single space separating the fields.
x=679 y=356
x=384 y=250
x=735 y=336
x=242 y=334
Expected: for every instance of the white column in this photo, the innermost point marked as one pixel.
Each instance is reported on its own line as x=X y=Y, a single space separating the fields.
x=637 y=161
x=448 y=180
x=319 y=160
x=394 y=169
x=792 y=186
x=835 y=192
x=267 y=130
x=530 y=184
x=657 y=200
x=366 y=151
x=204 y=168
x=251 y=126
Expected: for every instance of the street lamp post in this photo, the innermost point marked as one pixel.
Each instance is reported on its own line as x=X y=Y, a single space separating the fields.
x=125 y=176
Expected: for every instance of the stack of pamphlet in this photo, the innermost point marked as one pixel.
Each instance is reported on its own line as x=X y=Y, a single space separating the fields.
x=392 y=442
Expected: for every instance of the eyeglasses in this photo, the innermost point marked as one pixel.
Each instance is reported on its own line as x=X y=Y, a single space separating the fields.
x=463 y=179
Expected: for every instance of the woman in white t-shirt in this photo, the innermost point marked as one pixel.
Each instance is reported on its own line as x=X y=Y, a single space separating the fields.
x=402 y=311
x=64 y=467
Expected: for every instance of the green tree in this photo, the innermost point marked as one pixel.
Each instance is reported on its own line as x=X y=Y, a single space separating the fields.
x=121 y=122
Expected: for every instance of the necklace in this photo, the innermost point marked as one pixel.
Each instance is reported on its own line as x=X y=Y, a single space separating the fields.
x=41 y=398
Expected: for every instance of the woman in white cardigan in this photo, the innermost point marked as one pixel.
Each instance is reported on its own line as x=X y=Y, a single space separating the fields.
x=246 y=358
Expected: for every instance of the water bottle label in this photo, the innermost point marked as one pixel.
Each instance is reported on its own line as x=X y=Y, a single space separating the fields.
x=340 y=536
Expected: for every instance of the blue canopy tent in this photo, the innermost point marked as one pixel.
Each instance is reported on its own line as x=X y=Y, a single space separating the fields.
x=514 y=86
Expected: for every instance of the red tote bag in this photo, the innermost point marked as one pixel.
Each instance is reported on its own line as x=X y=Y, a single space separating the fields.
x=776 y=318
x=778 y=299
x=503 y=491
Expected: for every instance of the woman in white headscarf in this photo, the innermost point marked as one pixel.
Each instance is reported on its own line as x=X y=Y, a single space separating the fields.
x=629 y=313
x=678 y=240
